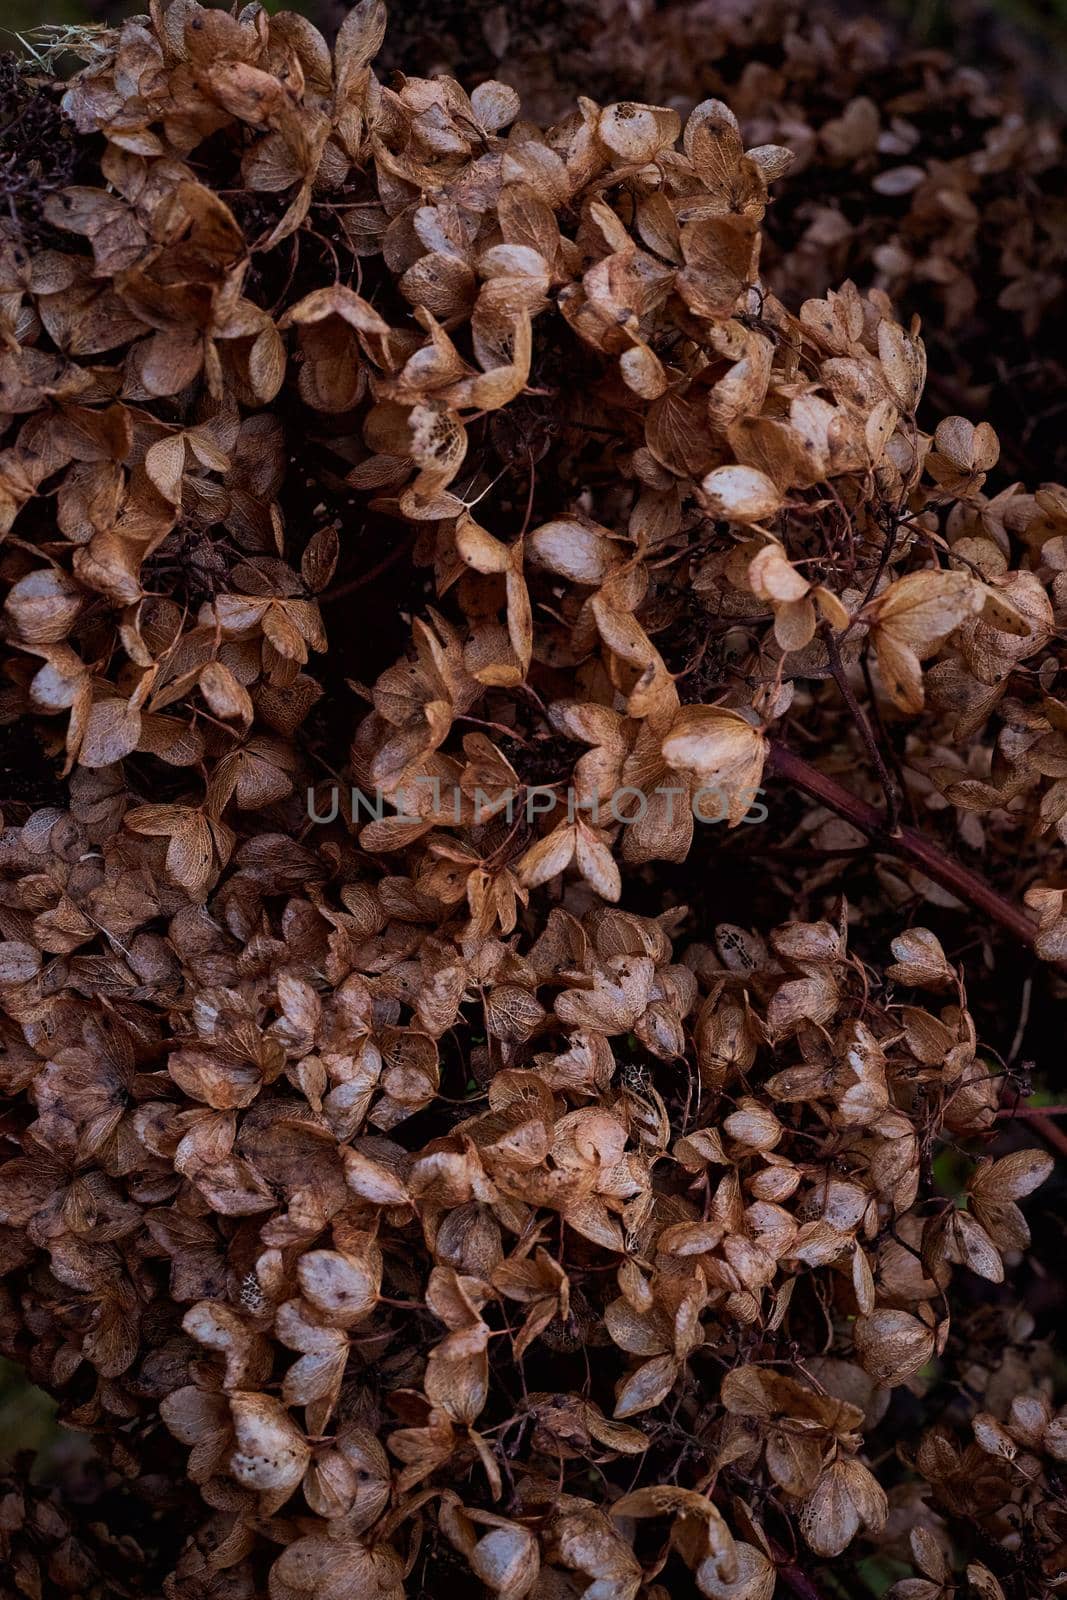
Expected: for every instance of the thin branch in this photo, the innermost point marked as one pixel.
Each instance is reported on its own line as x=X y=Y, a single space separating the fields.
x=1024 y=1018
x=329 y=596
x=921 y=852
x=794 y=1578
x=1032 y=1111
x=859 y=717
x=1040 y=1119
x=908 y=843
x=885 y=742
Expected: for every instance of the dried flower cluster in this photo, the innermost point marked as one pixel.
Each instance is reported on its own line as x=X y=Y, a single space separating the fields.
x=433 y=1186
x=914 y=172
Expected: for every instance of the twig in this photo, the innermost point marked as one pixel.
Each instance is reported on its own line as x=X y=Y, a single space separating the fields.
x=921 y=852
x=328 y=597
x=795 y=1580
x=1040 y=1119
x=1024 y=1017
x=859 y=717
x=888 y=547
x=1011 y=1112
x=878 y=725
x=915 y=847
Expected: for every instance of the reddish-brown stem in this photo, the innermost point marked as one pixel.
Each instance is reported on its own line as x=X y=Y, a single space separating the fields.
x=1045 y=1127
x=793 y=1577
x=1032 y=1111
x=908 y=843
x=935 y=863
x=1040 y=1118
x=342 y=589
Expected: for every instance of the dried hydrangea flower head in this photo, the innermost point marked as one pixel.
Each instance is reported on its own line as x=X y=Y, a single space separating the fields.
x=426 y=1173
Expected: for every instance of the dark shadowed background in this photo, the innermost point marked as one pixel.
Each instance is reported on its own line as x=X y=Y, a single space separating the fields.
x=454 y=32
